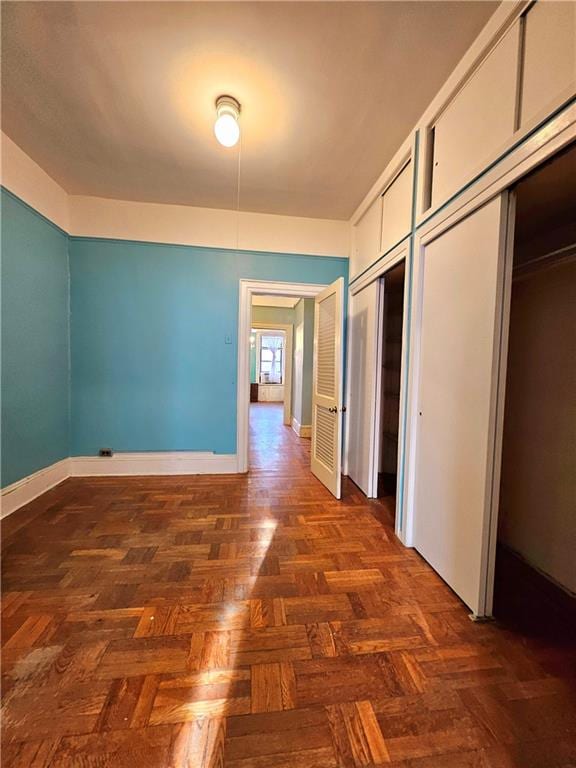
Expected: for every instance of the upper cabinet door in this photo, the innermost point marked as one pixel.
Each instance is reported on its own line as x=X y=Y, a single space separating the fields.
x=397 y=209
x=478 y=121
x=326 y=453
x=549 y=66
x=367 y=239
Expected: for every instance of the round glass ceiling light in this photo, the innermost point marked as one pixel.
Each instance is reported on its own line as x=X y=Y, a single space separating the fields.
x=227 y=127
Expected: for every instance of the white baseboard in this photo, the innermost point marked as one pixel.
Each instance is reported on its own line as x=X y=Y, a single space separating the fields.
x=155 y=463
x=302 y=430
x=28 y=488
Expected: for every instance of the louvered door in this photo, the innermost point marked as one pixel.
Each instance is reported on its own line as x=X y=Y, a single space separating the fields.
x=327 y=386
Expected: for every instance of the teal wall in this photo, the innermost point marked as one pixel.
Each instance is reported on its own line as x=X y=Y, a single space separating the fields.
x=121 y=344
x=282 y=315
x=151 y=366
x=35 y=341
x=305 y=317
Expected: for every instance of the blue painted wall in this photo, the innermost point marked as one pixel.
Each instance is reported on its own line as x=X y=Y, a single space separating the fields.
x=151 y=369
x=35 y=341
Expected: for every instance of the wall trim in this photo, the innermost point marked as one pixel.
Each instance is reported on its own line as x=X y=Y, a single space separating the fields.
x=302 y=430
x=207 y=227
x=151 y=463
x=28 y=488
x=188 y=246
x=154 y=463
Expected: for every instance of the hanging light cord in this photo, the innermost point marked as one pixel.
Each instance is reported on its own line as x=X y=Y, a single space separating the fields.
x=239 y=173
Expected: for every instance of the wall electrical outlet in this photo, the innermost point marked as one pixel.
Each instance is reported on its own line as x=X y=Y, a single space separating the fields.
x=105 y=452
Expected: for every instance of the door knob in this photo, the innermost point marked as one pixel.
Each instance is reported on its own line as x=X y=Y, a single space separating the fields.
x=333 y=409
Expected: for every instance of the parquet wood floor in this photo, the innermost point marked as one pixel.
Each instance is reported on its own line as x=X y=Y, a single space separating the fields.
x=255 y=622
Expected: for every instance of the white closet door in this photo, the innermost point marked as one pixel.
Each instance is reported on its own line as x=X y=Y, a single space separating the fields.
x=326 y=453
x=463 y=271
x=362 y=358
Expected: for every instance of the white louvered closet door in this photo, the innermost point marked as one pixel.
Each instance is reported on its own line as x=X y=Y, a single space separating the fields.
x=327 y=386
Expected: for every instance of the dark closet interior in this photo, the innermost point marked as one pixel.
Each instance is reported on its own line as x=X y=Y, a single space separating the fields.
x=535 y=579
x=391 y=336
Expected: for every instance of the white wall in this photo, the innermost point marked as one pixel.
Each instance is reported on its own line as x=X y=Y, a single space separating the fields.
x=151 y=222
x=210 y=227
x=22 y=176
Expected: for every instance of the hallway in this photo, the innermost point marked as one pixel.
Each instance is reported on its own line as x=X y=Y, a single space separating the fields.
x=273 y=444
x=253 y=621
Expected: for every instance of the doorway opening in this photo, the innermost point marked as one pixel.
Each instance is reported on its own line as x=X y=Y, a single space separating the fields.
x=390 y=361
x=535 y=579
x=325 y=455
x=281 y=359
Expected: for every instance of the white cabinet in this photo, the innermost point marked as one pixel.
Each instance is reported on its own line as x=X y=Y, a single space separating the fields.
x=386 y=222
x=367 y=239
x=397 y=209
x=478 y=121
x=549 y=66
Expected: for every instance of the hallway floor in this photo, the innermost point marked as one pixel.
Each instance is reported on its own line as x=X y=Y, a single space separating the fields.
x=256 y=622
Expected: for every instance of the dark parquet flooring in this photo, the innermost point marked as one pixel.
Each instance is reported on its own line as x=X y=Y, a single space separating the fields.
x=255 y=622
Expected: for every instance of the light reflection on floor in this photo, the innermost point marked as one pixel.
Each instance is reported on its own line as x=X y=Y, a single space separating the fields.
x=202 y=742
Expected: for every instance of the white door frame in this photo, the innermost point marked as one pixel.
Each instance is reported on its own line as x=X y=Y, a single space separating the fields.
x=401 y=256
x=249 y=288
x=288 y=331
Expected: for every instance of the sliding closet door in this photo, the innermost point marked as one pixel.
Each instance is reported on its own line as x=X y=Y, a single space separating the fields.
x=462 y=272
x=362 y=360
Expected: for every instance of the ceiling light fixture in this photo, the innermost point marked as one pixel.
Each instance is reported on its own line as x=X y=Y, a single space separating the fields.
x=227 y=127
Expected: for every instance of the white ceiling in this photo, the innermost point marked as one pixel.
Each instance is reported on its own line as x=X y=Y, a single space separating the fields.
x=115 y=99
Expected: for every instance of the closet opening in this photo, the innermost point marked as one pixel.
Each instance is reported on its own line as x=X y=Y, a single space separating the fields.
x=392 y=312
x=535 y=577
